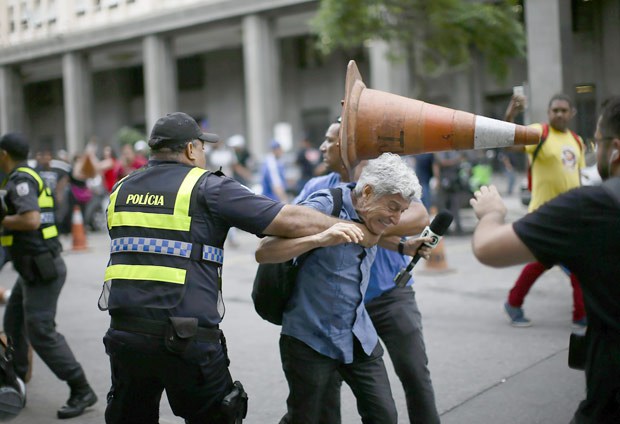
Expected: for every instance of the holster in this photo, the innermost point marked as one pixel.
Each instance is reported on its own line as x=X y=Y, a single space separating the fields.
x=235 y=404
x=179 y=333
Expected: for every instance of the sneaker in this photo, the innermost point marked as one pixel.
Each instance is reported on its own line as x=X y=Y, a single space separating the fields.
x=517 y=319
x=580 y=324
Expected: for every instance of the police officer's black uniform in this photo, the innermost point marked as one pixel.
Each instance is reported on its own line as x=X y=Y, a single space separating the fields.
x=42 y=272
x=168 y=223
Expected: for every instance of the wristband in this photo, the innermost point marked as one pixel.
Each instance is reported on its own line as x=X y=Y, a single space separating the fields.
x=401 y=246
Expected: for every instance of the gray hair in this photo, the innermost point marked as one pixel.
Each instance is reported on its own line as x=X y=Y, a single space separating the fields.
x=389 y=174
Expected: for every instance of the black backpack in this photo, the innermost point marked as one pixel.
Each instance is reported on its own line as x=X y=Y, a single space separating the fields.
x=273 y=283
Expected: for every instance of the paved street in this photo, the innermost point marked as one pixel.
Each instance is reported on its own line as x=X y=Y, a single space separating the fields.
x=484 y=371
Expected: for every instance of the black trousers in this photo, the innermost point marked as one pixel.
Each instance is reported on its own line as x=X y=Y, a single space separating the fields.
x=310 y=377
x=398 y=322
x=142 y=368
x=30 y=316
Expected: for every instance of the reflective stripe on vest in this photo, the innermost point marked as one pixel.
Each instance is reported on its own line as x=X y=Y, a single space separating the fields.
x=164 y=247
x=145 y=272
x=45 y=201
x=178 y=221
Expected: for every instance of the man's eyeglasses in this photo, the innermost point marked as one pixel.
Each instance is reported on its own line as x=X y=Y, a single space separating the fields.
x=202 y=145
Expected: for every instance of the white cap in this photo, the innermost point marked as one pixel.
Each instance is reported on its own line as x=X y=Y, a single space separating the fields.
x=236 y=140
x=140 y=146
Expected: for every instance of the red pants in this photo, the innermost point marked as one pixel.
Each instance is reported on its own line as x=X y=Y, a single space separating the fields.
x=528 y=277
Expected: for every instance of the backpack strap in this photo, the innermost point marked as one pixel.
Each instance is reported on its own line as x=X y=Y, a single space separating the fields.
x=543 y=138
x=337 y=196
x=577 y=139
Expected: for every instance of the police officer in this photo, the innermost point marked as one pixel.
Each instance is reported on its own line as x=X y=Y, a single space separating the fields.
x=31 y=236
x=163 y=284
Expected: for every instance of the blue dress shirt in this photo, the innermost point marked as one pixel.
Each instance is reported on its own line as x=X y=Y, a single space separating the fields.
x=326 y=309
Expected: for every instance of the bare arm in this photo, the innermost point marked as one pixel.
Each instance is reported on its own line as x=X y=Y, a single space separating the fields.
x=494 y=242
x=298 y=221
x=27 y=221
x=276 y=249
x=516 y=106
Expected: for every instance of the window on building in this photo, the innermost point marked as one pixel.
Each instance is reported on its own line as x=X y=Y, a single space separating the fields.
x=11 y=19
x=136 y=81
x=40 y=93
x=583 y=15
x=307 y=55
x=25 y=15
x=585 y=103
x=314 y=123
x=190 y=72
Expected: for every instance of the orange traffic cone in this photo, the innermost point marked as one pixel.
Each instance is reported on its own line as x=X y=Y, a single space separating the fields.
x=374 y=122
x=437 y=261
x=78 y=233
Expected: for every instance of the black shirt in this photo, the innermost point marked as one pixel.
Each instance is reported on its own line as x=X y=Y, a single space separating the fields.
x=581 y=230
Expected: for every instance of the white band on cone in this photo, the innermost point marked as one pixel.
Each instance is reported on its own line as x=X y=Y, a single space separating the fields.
x=490 y=133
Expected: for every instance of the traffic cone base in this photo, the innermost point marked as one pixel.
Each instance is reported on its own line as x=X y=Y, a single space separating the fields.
x=78 y=233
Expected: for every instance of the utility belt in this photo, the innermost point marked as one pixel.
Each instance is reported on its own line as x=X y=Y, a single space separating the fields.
x=188 y=327
x=177 y=332
x=37 y=268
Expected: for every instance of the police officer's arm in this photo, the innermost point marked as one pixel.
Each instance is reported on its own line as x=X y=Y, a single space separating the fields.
x=494 y=242
x=277 y=249
x=26 y=221
x=298 y=221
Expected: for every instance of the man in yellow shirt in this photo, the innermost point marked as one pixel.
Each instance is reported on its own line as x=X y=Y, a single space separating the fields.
x=555 y=170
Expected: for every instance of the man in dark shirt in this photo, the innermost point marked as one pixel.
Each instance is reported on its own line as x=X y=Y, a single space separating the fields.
x=580 y=230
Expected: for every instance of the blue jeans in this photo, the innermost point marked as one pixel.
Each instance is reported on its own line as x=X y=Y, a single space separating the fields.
x=398 y=322
x=310 y=376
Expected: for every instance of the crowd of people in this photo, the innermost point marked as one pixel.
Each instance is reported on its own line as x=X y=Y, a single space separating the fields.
x=168 y=225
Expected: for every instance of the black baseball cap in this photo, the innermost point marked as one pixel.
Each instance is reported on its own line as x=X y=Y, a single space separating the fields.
x=15 y=144
x=178 y=127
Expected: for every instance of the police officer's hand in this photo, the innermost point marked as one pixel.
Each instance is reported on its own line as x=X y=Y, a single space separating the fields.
x=342 y=232
x=370 y=239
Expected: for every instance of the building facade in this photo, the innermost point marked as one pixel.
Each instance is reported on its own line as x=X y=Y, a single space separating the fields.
x=72 y=69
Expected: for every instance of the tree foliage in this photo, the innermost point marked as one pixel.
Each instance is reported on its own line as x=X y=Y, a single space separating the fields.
x=435 y=35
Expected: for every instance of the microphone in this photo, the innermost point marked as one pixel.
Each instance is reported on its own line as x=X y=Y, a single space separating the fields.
x=435 y=231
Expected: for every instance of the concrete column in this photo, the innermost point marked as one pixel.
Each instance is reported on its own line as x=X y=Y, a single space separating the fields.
x=387 y=75
x=262 y=82
x=77 y=91
x=11 y=100
x=160 y=78
x=549 y=40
